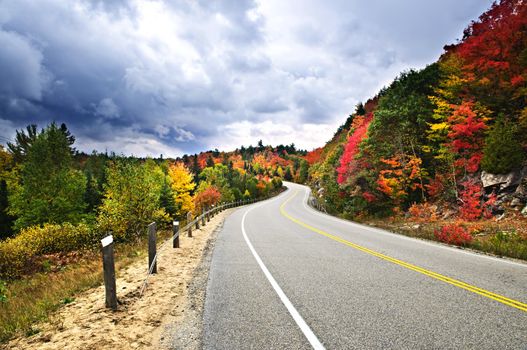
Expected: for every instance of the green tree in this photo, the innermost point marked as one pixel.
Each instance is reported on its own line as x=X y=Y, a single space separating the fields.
x=503 y=151
x=6 y=220
x=92 y=196
x=6 y=174
x=303 y=173
x=287 y=175
x=210 y=162
x=359 y=109
x=217 y=176
x=50 y=189
x=167 y=199
x=195 y=169
x=132 y=198
x=23 y=142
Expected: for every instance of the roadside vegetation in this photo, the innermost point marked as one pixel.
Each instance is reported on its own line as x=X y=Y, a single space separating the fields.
x=30 y=300
x=57 y=203
x=442 y=148
x=439 y=154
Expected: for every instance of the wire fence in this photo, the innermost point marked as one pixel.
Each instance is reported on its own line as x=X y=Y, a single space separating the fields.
x=205 y=214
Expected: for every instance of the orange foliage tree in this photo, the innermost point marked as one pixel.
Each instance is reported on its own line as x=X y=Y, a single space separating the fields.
x=206 y=198
x=402 y=175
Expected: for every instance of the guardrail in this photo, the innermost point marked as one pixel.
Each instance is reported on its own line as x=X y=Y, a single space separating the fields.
x=153 y=250
x=315 y=203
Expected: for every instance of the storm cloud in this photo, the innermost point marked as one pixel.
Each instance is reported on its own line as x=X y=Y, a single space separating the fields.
x=149 y=77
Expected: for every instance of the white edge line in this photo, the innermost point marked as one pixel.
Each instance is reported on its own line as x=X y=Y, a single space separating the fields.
x=308 y=333
x=388 y=233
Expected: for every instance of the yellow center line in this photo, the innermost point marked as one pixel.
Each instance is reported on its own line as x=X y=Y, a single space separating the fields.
x=499 y=298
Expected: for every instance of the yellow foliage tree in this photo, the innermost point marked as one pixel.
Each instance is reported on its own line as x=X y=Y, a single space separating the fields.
x=182 y=186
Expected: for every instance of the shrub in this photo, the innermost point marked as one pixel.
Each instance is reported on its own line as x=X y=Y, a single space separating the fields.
x=423 y=212
x=16 y=253
x=471 y=208
x=453 y=234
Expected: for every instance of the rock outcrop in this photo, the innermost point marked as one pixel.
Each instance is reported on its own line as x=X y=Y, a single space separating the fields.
x=503 y=181
x=510 y=189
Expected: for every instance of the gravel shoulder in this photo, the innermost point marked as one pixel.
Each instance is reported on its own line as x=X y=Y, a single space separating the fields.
x=167 y=315
x=184 y=328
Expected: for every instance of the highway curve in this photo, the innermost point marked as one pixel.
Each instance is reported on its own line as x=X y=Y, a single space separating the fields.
x=284 y=276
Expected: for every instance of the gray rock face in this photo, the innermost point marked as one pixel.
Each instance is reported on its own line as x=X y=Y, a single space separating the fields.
x=524 y=211
x=516 y=202
x=504 y=181
x=521 y=190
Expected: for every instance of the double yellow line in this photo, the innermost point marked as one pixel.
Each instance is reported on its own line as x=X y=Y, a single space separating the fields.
x=499 y=298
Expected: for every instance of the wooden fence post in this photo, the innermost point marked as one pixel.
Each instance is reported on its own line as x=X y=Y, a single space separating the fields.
x=189 y=219
x=108 y=266
x=152 y=247
x=197 y=221
x=175 y=237
x=203 y=216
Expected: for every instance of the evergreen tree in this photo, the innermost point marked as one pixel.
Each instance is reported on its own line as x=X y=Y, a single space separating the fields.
x=261 y=146
x=6 y=220
x=92 y=196
x=287 y=174
x=359 y=109
x=22 y=143
x=50 y=189
x=502 y=152
x=195 y=168
x=210 y=162
x=166 y=199
x=303 y=173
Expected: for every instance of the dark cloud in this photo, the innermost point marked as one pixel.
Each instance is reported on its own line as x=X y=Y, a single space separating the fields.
x=150 y=77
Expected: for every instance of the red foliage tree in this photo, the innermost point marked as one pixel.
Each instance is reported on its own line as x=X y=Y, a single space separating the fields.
x=314 y=156
x=493 y=45
x=210 y=196
x=348 y=163
x=494 y=56
x=466 y=138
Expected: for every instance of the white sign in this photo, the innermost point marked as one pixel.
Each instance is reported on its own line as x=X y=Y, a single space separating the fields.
x=107 y=240
x=176 y=223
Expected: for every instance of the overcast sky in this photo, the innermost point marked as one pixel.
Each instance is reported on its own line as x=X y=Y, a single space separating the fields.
x=171 y=77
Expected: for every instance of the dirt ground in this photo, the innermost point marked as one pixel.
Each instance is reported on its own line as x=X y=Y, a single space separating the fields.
x=167 y=315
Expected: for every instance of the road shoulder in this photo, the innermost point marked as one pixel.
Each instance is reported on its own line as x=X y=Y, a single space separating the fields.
x=140 y=321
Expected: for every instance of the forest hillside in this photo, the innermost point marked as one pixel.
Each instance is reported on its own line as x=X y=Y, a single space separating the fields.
x=446 y=142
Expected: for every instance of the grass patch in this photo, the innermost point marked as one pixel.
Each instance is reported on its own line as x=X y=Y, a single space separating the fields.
x=31 y=299
x=503 y=243
x=504 y=240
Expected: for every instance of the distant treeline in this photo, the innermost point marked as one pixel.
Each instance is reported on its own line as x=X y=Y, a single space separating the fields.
x=54 y=199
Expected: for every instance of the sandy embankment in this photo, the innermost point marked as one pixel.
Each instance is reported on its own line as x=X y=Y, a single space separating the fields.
x=157 y=319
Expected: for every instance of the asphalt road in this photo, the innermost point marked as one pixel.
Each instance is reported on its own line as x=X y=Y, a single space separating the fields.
x=284 y=276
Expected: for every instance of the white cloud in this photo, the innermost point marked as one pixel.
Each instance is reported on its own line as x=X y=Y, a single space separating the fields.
x=183 y=135
x=107 y=108
x=191 y=75
x=245 y=133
